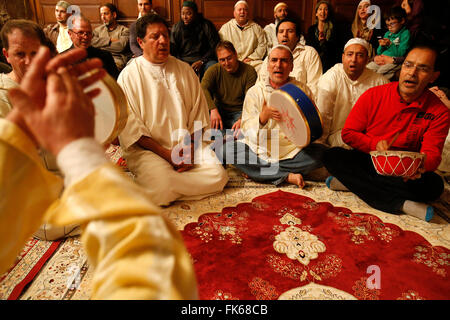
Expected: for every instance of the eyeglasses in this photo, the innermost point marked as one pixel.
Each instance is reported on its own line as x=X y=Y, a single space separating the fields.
x=419 y=67
x=83 y=33
x=391 y=24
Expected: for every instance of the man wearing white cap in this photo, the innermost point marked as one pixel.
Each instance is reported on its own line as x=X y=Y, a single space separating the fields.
x=280 y=11
x=307 y=64
x=341 y=86
x=246 y=35
x=58 y=33
x=402 y=116
x=267 y=155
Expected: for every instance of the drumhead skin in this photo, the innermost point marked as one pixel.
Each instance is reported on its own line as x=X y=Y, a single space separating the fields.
x=301 y=121
x=111 y=110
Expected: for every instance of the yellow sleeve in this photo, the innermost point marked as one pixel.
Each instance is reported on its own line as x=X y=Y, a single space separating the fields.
x=136 y=252
x=26 y=191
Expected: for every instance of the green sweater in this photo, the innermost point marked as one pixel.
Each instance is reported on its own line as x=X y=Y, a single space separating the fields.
x=399 y=43
x=226 y=91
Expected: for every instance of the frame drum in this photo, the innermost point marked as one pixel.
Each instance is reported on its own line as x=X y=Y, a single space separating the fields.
x=111 y=112
x=301 y=121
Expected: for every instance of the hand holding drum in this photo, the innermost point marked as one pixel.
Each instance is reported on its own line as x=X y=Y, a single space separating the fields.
x=299 y=117
x=406 y=164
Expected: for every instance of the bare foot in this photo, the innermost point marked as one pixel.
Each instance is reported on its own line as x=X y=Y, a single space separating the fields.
x=297 y=179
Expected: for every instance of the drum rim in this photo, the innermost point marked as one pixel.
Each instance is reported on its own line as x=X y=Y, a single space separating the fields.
x=281 y=90
x=390 y=153
x=313 y=103
x=120 y=107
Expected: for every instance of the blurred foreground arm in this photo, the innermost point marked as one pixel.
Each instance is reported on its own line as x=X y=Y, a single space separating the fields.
x=136 y=253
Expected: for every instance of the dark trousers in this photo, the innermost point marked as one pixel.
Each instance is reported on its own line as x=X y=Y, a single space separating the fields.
x=355 y=170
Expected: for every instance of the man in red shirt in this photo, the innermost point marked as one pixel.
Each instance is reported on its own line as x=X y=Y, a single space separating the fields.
x=407 y=111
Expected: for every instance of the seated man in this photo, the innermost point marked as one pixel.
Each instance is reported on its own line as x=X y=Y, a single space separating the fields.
x=166 y=107
x=225 y=85
x=267 y=155
x=144 y=7
x=394 y=44
x=307 y=64
x=401 y=115
x=341 y=86
x=247 y=36
x=22 y=39
x=194 y=38
x=112 y=36
x=58 y=33
x=135 y=253
x=81 y=34
x=280 y=12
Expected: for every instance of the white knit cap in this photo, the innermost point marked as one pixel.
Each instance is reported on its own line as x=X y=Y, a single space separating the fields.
x=241 y=1
x=281 y=46
x=359 y=41
x=279 y=5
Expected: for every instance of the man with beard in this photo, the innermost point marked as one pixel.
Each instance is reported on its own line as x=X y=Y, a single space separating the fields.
x=401 y=115
x=58 y=32
x=280 y=12
x=112 y=36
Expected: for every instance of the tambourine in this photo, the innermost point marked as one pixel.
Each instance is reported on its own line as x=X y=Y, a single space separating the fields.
x=111 y=112
x=301 y=121
x=397 y=163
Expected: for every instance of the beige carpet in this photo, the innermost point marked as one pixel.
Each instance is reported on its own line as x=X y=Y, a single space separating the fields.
x=67 y=276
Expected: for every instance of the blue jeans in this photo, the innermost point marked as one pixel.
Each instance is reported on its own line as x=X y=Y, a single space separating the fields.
x=242 y=157
x=228 y=120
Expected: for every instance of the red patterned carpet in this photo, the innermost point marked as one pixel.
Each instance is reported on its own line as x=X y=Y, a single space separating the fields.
x=286 y=246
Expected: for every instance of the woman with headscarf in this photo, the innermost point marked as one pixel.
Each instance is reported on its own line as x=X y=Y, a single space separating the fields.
x=193 y=39
x=360 y=28
x=322 y=35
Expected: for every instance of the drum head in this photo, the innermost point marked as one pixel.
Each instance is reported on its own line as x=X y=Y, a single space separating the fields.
x=110 y=110
x=293 y=123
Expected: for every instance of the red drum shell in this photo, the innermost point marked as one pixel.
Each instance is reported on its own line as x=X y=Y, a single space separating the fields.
x=397 y=163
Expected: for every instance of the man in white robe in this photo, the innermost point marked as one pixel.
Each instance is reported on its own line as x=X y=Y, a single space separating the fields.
x=267 y=155
x=166 y=106
x=307 y=63
x=247 y=36
x=341 y=86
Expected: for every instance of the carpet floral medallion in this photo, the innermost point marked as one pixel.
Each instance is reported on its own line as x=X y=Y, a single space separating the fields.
x=282 y=245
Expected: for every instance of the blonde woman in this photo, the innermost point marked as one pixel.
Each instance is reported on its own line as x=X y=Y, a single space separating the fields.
x=360 y=28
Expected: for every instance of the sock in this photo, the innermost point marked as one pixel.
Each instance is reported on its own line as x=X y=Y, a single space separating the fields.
x=418 y=209
x=334 y=184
